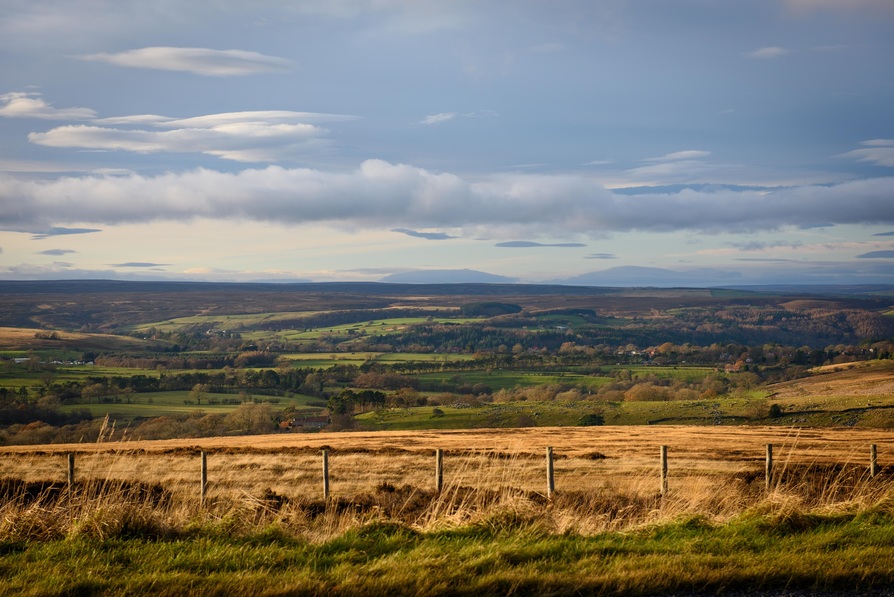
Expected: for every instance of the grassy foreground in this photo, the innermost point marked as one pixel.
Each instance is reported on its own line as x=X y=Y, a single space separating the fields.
x=502 y=554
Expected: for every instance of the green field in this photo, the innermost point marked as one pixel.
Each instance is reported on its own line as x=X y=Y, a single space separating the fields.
x=324 y=360
x=156 y=404
x=503 y=379
x=686 y=373
x=374 y=327
x=747 y=408
x=231 y=322
x=761 y=553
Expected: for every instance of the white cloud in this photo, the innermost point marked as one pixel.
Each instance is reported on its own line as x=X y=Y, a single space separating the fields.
x=438 y=118
x=244 y=142
x=672 y=167
x=384 y=195
x=252 y=136
x=766 y=52
x=875 y=151
x=31 y=105
x=267 y=116
x=199 y=61
x=689 y=154
x=248 y=136
x=445 y=116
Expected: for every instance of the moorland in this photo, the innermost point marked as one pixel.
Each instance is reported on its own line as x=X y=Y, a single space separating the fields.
x=134 y=380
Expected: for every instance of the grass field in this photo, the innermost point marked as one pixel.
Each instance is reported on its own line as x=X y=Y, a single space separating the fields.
x=499 y=379
x=492 y=530
x=361 y=461
x=328 y=359
x=157 y=404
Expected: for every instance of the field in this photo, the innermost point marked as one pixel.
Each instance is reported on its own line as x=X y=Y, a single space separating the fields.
x=588 y=459
x=492 y=530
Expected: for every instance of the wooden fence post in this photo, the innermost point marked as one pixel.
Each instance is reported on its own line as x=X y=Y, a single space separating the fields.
x=439 y=470
x=873 y=460
x=550 y=477
x=71 y=472
x=203 y=480
x=663 y=455
x=768 y=467
x=325 y=474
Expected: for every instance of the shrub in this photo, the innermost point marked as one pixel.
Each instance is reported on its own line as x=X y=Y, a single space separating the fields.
x=591 y=420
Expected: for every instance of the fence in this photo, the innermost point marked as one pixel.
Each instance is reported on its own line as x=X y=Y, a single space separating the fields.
x=661 y=471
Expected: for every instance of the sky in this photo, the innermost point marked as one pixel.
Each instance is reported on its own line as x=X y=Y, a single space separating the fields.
x=598 y=142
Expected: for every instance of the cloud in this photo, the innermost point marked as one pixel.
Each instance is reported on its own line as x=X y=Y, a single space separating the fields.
x=250 y=136
x=527 y=243
x=766 y=53
x=445 y=116
x=52 y=230
x=425 y=235
x=891 y=233
x=199 y=61
x=243 y=142
x=689 y=154
x=672 y=166
x=270 y=117
x=601 y=256
x=875 y=151
x=31 y=105
x=756 y=245
x=381 y=194
x=57 y=252
x=877 y=255
x=138 y=264
x=438 y=118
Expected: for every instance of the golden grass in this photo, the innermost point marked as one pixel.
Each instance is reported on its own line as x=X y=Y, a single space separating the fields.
x=864 y=378
x=715 y=470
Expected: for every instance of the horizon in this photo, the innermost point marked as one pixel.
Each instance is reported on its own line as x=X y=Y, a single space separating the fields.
x=616 y=143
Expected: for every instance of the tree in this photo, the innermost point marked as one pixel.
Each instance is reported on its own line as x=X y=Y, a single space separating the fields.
x=198 y=393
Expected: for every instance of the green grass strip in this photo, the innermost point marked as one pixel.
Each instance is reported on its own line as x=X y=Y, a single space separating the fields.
x=751 y=553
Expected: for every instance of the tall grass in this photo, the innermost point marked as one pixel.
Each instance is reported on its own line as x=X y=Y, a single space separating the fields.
x=491 y=530
x=253 y=492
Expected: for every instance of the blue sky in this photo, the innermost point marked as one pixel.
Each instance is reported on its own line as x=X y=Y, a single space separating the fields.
x=620 y=142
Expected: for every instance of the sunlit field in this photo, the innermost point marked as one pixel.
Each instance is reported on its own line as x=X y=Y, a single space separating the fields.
x=585 y=459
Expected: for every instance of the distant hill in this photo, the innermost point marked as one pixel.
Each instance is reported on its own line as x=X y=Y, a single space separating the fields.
x=447 y=276
x=636 y=276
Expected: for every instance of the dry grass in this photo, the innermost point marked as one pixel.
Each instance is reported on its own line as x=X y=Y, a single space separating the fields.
x=606 y=479
x=863 y=378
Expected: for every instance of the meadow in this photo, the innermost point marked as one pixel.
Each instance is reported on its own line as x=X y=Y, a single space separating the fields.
x=134 y=520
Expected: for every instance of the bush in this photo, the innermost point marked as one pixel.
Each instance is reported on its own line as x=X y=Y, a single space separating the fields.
x=591 y=420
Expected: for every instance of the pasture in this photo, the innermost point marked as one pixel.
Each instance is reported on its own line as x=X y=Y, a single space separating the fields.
x=158 y=404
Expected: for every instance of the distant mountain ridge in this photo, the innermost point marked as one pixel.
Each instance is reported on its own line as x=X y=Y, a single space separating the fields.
x=447 y=276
